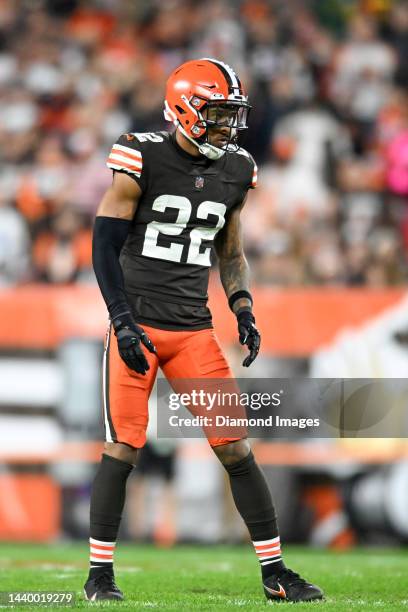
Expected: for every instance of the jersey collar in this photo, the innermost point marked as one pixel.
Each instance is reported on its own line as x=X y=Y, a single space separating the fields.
x=195 y=159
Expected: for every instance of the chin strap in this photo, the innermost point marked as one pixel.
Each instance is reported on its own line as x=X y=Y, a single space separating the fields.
x=206 y=149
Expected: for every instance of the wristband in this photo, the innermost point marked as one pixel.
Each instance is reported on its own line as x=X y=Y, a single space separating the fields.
x=242 y=293
x=248 y=314
x=124 y=319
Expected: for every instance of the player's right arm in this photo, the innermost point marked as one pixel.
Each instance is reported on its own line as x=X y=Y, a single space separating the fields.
x=121 y=199
x=112 y=225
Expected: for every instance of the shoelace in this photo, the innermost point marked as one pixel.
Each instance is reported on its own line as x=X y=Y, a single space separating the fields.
x=107 y=581
x=292 y=577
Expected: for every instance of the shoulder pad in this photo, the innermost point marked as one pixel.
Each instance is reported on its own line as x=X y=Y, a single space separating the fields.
x=253 y=167
x=126 y=155
x=148 y=136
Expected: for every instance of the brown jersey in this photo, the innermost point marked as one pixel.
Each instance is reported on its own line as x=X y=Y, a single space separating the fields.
x=184 y=204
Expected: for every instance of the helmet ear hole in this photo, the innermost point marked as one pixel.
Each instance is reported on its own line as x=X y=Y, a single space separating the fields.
x=187 y=122
x=180 y=110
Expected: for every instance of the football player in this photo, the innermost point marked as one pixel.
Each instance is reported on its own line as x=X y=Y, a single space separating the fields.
x=173 y=198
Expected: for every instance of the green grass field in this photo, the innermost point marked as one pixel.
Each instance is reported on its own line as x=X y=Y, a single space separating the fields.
x=209 y=577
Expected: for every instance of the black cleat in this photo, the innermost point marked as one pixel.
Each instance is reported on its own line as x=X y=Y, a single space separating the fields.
x=289 y=586
x=102 y=587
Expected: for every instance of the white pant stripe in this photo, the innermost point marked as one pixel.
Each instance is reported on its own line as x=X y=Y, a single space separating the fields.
x=108 y=433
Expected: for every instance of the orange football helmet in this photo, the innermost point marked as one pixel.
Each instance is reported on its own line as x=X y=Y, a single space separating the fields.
x=212 y=86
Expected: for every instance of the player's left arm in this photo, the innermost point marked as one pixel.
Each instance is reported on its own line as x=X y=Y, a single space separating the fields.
x=234 y=274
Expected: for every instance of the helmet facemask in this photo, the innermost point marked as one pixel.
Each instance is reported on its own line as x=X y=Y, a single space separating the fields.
x=227 y=118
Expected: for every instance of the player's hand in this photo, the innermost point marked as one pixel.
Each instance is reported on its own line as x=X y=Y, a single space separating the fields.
x=130 y=336
x=249 y=335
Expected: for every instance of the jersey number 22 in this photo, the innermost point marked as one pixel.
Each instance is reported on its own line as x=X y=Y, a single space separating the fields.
x=197 y=234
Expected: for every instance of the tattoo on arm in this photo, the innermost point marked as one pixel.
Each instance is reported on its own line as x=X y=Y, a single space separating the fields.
x=233 y=266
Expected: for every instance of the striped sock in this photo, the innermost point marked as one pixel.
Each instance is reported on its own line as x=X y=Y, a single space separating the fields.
x=269 y=555
x=101 y=553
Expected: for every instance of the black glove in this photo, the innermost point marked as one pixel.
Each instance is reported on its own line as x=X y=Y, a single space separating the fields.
x=129 y=336
x=249 y=335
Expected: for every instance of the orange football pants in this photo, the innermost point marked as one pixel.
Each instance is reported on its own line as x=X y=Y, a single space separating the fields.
x=180 y=354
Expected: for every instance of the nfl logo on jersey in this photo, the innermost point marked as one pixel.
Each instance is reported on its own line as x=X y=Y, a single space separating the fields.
x=199 y=182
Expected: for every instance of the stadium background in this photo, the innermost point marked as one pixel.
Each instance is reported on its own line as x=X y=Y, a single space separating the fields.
x=326 y=234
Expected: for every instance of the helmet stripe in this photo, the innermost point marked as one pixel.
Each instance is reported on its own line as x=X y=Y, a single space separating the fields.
x=230 y=76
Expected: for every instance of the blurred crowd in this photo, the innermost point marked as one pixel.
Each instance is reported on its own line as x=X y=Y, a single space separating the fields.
x=329 y=127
